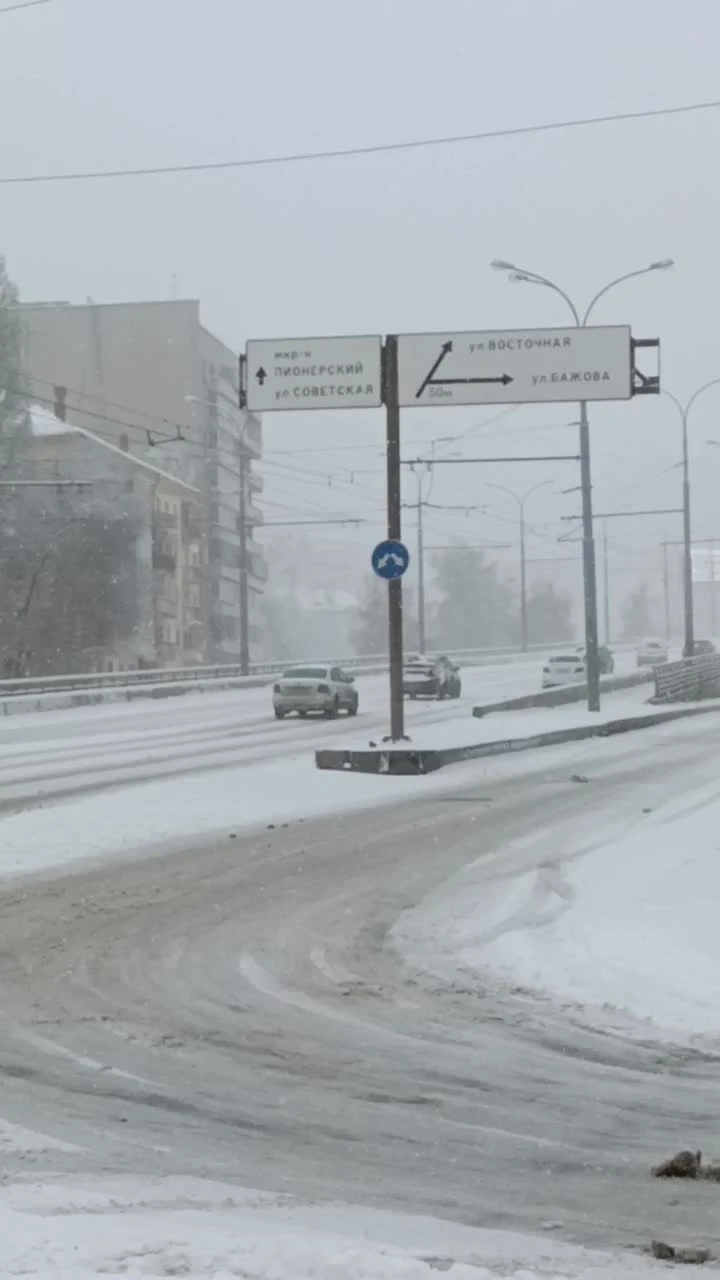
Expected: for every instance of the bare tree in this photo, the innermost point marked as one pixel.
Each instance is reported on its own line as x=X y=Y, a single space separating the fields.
x=68 y=584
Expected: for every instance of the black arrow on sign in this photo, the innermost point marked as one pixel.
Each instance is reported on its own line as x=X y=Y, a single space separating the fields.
x=444 y=350
x=432 y=381
x=446 y=382
x=261 y=375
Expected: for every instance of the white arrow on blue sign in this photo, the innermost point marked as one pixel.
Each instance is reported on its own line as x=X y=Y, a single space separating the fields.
x=390 y=559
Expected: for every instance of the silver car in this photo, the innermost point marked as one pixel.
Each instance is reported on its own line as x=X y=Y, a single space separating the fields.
x=325 y=690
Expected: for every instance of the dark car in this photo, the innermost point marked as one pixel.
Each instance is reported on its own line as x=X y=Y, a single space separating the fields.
x=701 y=647
x=431 y=678
x=606 y=661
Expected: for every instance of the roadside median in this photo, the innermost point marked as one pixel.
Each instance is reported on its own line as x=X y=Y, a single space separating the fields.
x=565 y=694
x=423 y=756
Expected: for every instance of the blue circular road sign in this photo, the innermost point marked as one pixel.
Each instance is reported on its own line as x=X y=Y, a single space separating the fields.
x=390 y=559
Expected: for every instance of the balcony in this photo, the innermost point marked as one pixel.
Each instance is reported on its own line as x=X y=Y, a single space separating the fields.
x=252 y=435
x=258 y=566
x=164 y=556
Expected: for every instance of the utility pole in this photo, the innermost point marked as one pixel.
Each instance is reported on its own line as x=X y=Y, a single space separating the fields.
x=523 y=583
x=420 y=554
x=712 y=590
x=394 y=533
x=521 y=499
x=244 y=592
x=421 y=576
x=698 y=542
x=606 y=584
x=666 y=589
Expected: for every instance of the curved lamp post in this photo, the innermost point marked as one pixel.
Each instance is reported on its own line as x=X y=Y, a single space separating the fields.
x=521 y=275
x=684 y=410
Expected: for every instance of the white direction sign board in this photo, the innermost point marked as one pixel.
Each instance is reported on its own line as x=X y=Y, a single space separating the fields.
x=313 y=373
x=515 y=366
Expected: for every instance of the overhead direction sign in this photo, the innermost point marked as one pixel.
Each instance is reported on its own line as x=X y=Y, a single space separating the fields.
x=516 y=366
x=313 y=373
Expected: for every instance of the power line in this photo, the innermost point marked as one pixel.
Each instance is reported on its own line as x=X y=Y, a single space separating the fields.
x=23 y=4
x=339 y=153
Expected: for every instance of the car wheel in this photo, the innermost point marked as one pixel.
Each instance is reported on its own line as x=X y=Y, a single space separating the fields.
x=302 y=715
x=279 y=715
x=332 y=712
x=353 y=708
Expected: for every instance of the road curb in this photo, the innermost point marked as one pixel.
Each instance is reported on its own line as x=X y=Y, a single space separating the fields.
x=410 y=761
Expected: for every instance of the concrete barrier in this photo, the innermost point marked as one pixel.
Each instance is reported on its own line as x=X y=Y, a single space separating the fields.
x=408 y=760
x=563 y=695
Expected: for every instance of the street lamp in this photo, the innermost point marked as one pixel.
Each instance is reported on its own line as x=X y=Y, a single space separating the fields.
x=521 y=499
x=684 y=410
x=521 y=275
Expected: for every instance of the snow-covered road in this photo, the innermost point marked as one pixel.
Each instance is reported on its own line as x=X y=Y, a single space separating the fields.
x=240 y=1010
x=68 y=752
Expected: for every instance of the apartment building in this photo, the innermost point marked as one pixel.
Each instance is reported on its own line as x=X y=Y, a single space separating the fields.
x=151 y=378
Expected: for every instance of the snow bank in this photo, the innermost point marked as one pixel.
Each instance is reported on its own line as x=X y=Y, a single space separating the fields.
x=183 y=1227
x=623 y=926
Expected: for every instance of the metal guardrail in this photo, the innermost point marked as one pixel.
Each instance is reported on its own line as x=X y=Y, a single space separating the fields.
x=232 y=671
x=688 y=680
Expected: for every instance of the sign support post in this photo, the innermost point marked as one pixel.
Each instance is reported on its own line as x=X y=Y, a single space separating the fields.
x=521 y=366
x=592 y=657
x=394 y=530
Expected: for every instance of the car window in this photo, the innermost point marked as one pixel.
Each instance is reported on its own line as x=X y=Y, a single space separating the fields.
x=336 y=675
x=306 y=673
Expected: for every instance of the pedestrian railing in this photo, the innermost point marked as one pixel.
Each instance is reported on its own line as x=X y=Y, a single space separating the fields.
x=688 y=680
x=368 y=663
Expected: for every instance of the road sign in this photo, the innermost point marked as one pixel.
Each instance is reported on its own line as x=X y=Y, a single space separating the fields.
x=516 y=366
x=313 y=373
x=390 y=559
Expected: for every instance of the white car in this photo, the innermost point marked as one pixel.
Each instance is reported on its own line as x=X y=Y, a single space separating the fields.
x=652 y=653
x=325 y=690
x=564 y=668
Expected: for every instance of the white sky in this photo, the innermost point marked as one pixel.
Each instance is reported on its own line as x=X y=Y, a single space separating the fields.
x=390 y=242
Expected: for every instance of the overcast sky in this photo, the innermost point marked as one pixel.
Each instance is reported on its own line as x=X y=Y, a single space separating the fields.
x=395 y=242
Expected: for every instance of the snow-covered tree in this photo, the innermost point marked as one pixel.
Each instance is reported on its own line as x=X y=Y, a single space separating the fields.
x=549 y=615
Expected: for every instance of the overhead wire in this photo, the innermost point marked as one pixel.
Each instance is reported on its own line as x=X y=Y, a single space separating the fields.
x=339 y=153
x=22 y=4
x=305 y=476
